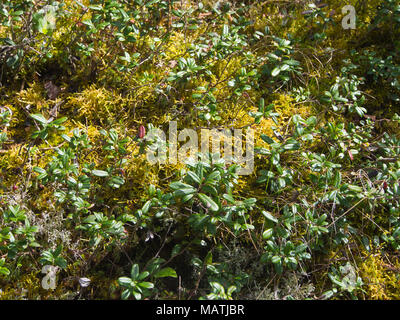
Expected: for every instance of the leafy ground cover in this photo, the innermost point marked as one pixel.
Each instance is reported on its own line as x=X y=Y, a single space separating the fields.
x=82 y=82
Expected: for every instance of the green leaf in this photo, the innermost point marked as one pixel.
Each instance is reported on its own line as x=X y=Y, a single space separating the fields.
x=96 y=8
x=4 y=271
x=276 y=259
x=137 y=295
x=146 y=207
x=59 y=121
x=186 y=197
x=180 y=185
x=291 y=144
x=184 y=192
x=208 y=202
x=61 y=262
x=267 y=139
x=284 y=67
x=58 y=251
x=126 y=57
x=269 y=216
x=135 y=272
x=100 y=173
x=41 y=171
x=194 y=177
x=275 y=72
x=225 y=30
x=212 y=177
x=209 y=189
x=228 y=198
x=143 y=275
x=217 y=287
x=126 y=294
x=146 y=285
x=39 y=117
x=125 y=281
x=268 y=234
x=116 y=181
x=166 y=272
x=355 y=188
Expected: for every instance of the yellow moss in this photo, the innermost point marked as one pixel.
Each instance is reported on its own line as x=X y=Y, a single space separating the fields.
x=381 y=278
x=287 y=107
x=33 y=96
x=11 y=161
x=97 y=104
x=27 y=287
x=176 y=46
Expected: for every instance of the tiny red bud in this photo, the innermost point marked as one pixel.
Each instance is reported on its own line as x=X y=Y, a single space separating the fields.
x=142 y=132
x=15 y=188
x=350 y=155
x=385 y=185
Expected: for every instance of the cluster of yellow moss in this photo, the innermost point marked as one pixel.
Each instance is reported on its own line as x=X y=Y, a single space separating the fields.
x=28 y=287
x=381 y=276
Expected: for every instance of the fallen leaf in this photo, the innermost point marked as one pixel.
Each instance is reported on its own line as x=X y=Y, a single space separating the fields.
x=52 y=90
